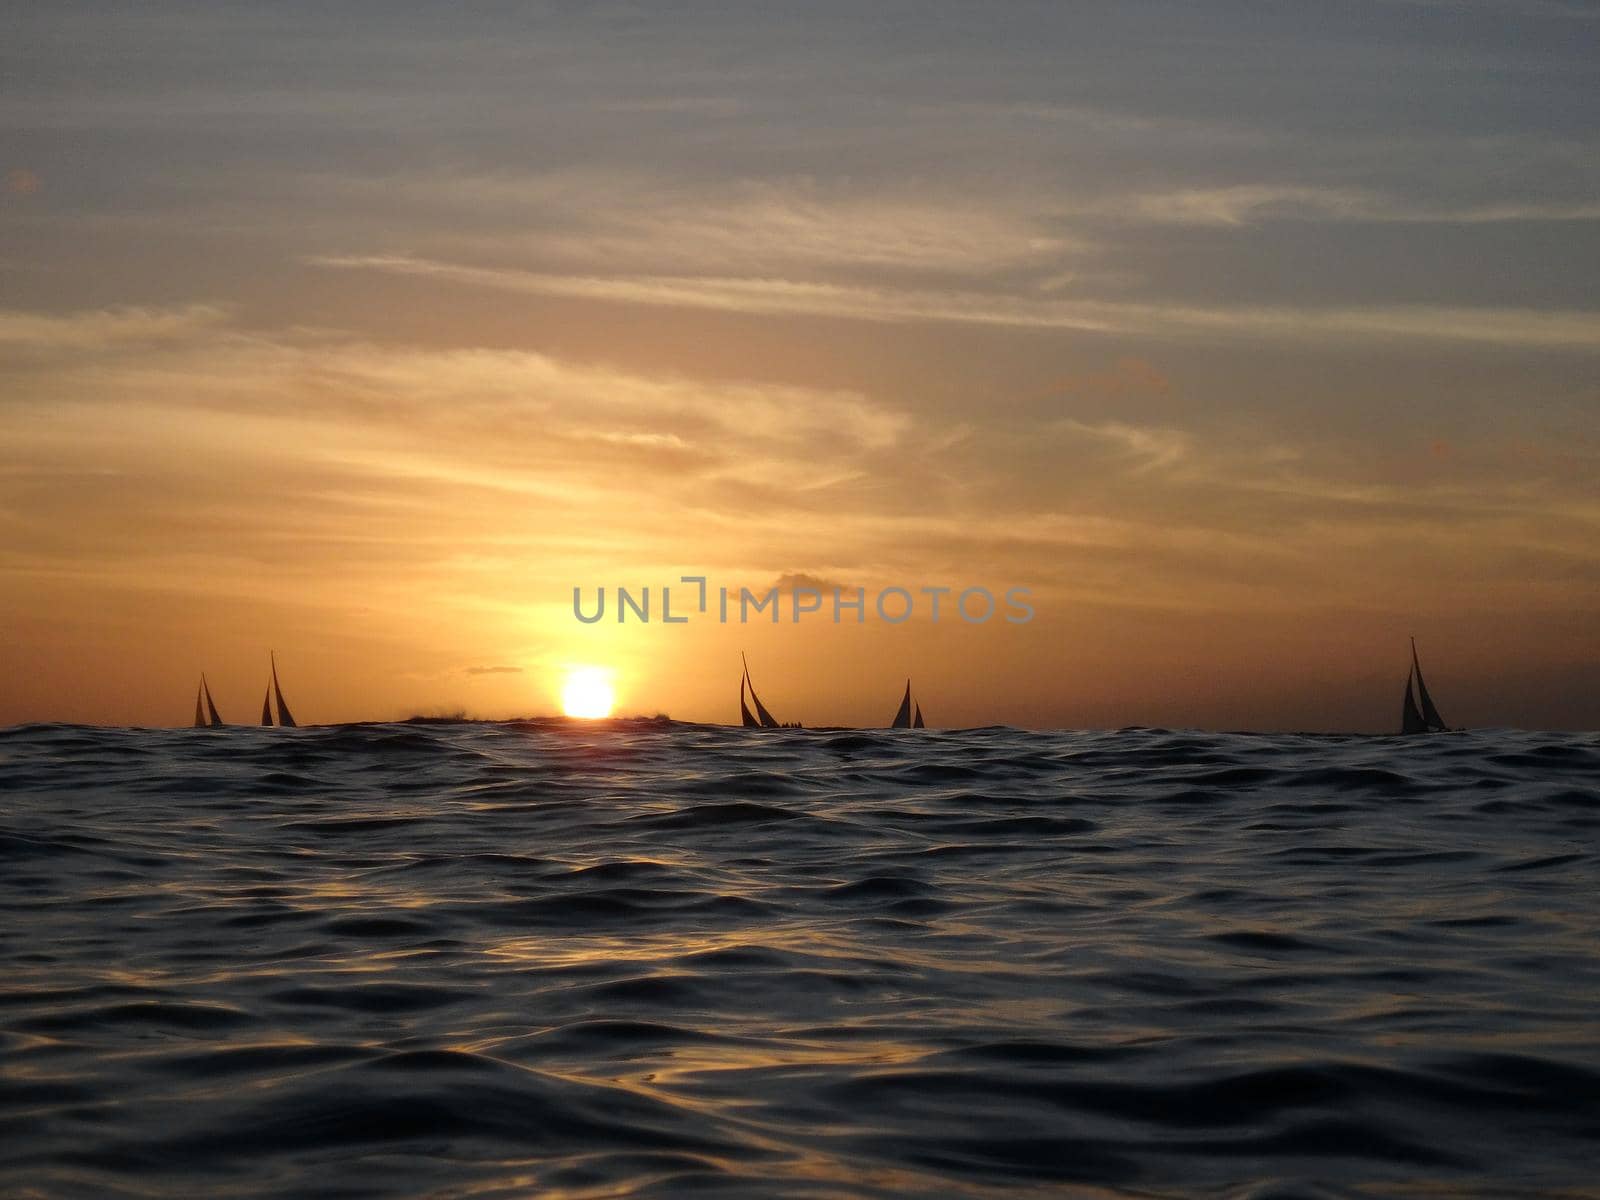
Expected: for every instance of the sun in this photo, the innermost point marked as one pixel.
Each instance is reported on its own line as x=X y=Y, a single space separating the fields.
x=587 y=693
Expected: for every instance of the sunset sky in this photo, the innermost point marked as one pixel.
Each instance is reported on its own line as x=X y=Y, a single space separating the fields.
x=1252 y=338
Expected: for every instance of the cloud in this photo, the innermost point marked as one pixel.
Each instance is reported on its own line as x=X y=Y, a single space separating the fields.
x=1252 y=203
x=353 y=431
x=360 y=457
x=1151 y=449
x=494 y=670
x=800 y=581
x=523 y=405
x=1236 y=204
x=1548 y=329
x=619 y=219
x=100 y=328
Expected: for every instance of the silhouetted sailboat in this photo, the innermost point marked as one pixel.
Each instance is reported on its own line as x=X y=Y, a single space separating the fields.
x=903 y=719
x=284 y=717
x=209 y=718
x=1419 y=714
x=766 y=720
x=745 y=719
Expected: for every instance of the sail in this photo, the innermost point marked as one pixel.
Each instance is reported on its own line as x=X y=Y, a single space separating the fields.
x=768 y=721
x=199 y=715
x=284 y=717
x=902 y=719
x=1410 y=718
x=1430 y=714
x=745 y=718
x=211 y=708
x=266 y=707
x=916 y=722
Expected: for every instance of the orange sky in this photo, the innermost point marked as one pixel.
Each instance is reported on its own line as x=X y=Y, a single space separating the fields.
x=373 y=369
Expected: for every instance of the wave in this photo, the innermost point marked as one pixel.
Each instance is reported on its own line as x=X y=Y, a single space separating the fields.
x=649 y=958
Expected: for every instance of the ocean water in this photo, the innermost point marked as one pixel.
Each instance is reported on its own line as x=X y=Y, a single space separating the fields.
x=640 y=958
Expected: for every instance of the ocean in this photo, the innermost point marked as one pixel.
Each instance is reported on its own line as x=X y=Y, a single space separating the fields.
x=642 y=958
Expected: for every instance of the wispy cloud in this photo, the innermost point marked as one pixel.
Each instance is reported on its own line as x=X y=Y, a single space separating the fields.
x=98 y=328
x=619 y=219
x=357 y=437
x=1149 y=449
x=185 y=356
x=1572 y=330
x=1252 y=203
x=1237 y=204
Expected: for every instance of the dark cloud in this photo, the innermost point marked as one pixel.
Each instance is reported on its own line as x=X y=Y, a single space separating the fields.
x=800 y=581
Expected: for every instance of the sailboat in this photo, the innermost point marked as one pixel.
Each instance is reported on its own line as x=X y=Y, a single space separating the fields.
x=904 y=718
x=1419 y=714
x=207 y=719
x=763 y=719
x=285 y=718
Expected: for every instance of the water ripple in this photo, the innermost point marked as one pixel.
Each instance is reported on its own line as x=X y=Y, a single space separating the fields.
x=641 y=958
